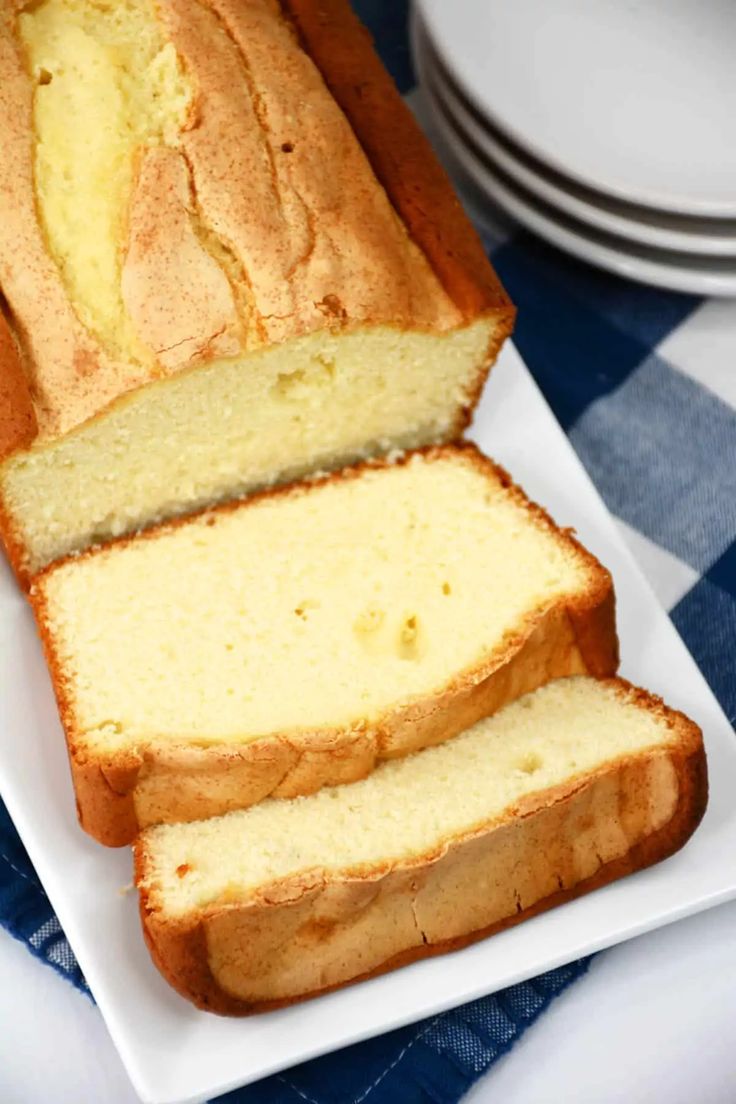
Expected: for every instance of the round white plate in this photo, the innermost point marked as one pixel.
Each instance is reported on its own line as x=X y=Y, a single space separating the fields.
x=715 y=237
x=677 y=271
x=633 y=98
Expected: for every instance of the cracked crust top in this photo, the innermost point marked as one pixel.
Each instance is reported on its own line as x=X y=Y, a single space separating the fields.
x=291 y=199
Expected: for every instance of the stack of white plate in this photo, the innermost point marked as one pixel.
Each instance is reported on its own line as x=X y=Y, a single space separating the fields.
x=607 y=127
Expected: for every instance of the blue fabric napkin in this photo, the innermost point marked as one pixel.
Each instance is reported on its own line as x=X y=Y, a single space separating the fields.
x=659 y=440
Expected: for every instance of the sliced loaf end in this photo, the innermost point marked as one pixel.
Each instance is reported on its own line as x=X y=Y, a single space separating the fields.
x=563 y=791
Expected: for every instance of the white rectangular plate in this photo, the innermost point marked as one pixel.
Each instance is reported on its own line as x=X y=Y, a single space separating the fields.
x=174 y=1053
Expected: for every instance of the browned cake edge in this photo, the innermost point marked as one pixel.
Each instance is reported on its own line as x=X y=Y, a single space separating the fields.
x=117 y=794
x=17 y=417
x=18 y=429
x=181 y=952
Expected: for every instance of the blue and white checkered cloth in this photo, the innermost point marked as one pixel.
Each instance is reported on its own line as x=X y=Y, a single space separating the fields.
x=644 y=382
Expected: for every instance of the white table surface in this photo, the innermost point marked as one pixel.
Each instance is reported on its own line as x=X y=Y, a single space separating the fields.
x=654 y=1020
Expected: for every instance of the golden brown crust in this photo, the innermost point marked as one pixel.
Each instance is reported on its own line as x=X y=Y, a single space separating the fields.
x=553 y=848
x=18 y=428
x=591 y=626
x=399 y=153
x=104 y=810
x=15 y=548
x=326 y=250
x=177 y=781
x=18 y=425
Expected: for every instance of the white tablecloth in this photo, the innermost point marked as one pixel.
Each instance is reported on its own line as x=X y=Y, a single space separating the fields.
x=654 y=1021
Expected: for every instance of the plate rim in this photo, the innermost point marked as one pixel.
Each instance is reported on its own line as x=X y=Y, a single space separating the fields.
x=658 y=201
x=699 y=242
x=622 y=261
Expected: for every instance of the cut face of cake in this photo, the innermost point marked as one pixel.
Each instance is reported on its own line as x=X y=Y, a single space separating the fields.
x=293 y=639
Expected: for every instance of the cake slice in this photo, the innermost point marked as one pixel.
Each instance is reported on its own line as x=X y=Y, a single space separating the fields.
x=224 y=263
x=560 y=792
x=290 y=640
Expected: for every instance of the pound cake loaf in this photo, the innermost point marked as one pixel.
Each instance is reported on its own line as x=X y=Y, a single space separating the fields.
x=228 y=257
x=563 y=791
x=286 y=642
